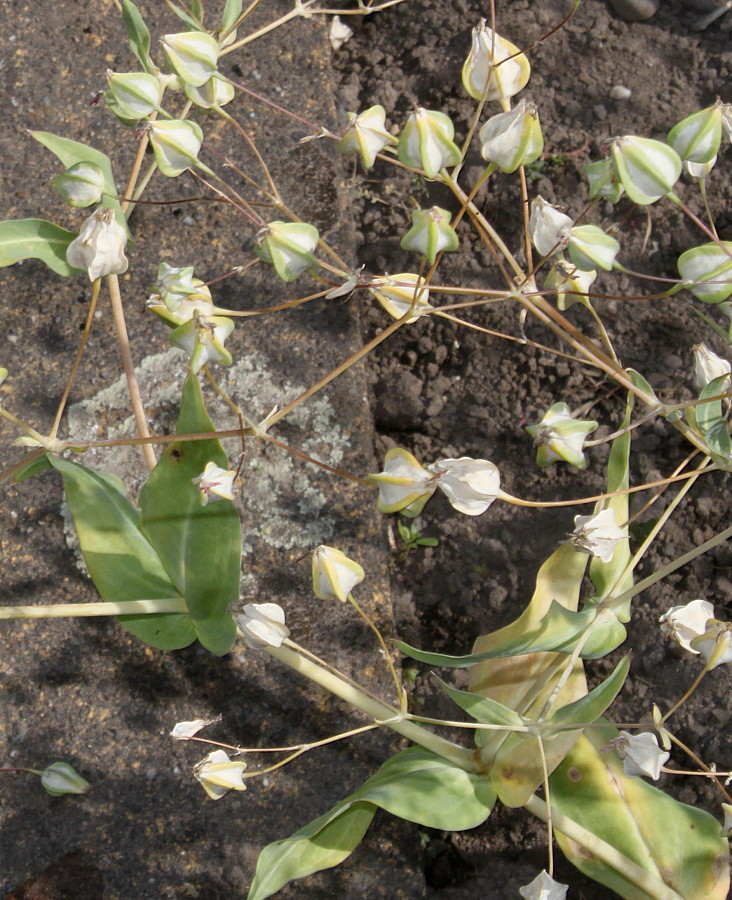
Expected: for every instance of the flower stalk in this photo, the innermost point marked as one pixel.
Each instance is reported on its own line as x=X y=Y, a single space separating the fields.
x=123 y=341
x=376 y=709
x=86 y=610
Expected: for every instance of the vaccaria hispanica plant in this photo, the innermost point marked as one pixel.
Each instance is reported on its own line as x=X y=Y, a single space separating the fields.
x=167 y=563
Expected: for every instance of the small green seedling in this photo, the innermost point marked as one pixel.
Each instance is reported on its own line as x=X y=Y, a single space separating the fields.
x=412 y=538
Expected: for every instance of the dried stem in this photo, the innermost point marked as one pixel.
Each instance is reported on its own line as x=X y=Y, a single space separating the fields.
x=123 y=341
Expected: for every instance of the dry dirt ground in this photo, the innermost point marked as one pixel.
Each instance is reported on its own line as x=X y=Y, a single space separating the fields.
x=438 y=390
x=441 y=390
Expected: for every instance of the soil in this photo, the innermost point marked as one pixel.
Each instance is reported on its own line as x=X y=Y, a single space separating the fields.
x=442 y=390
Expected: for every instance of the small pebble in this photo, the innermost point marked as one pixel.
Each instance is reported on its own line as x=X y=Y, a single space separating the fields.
x=599 y=111
x=635 y=10
x=620 y=92
x=672 y=361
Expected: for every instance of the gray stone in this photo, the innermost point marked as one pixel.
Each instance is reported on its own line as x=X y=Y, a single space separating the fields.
x=635 y=10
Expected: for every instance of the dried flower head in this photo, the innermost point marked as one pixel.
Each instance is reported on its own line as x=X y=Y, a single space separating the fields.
x=597 y=535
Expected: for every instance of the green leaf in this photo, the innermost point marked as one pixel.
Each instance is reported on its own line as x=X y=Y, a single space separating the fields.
x=416 y=785
x=482 y=709
x=72 y=152
x=558 y=582
x=121 y=562
x=559 y=631
x=322 y=844
x=513 y=758
x=217 y=633
x=35 y=239
x=724 y=334
x=533 y=685
x=677 y=844
x=718 y=442
x=190 y=21
x=199 y=546
x=232 y=11
x=709 y=419
x=640 y=382
x=139 y=36
x=709 y=414
x=422 y=787
x=523 y=666
x=36 y=463
x=444 y=660
x=589 y=708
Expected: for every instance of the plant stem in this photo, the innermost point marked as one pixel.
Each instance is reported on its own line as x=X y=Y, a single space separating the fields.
x=375 y=709
x=525 y=342
x=670 y=567
x=604 y=336
x=140 y=189
x=527 y=231
x=240 y=751
x=21 y=425
x=569 y=666
x=707 y=210
x=694 y=218
x=302 y=9
x=400 y=693
x=288 y=304
x=136 y=166
x=547 y=504
x=319 y=385
x=478 y=216
x=603 y=851
x=663 y=518
x=77 y=359
x=695 y=684
x=134 y=391
x=475 y=726
x=292 y=14
x=316 y=462
x=706 y=771
x=549 y=810
x=539 y=307
x=273 y=193
x=83 y=610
